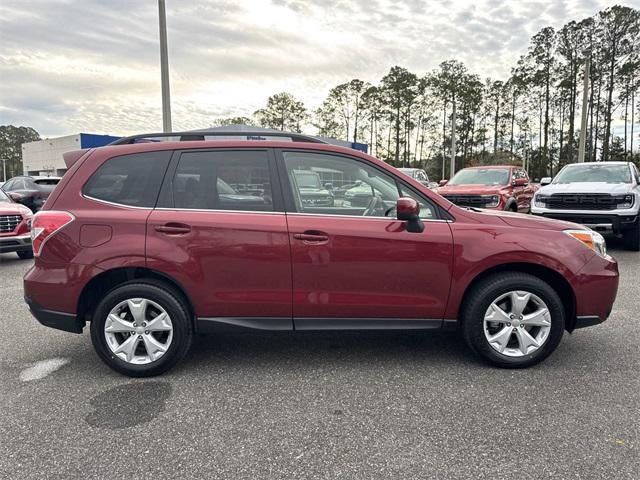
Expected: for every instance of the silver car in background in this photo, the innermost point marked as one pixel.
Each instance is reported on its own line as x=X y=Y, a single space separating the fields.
x=604 y=196
x=419 y=175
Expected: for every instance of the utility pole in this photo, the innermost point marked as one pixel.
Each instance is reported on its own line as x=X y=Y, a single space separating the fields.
x=585 y=107
x=4 y=170
x=453 y=139
x=164 y=69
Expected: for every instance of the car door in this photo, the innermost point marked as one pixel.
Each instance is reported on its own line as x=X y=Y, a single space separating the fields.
x=221 y=231
x=354 y=263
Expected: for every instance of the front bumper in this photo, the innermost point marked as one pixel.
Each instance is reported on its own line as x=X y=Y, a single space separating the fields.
x=603 y=222
x=58 y=320
x=595 y=288
x=19 y=243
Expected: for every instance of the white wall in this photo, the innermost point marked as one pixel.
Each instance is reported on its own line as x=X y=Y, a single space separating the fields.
x=45 y=155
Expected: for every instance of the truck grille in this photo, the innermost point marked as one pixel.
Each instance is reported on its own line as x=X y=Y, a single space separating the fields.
x=478 y=201
x=8 y=223
x=582 y=201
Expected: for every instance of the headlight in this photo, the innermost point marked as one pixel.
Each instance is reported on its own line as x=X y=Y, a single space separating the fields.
x=591 y=239
x=492 y=201
x=626 y=201
x=540 y=201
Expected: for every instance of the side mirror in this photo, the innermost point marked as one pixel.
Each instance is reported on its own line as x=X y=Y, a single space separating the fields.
x=442 y=183
x=328 y=186
x=545 y=181
x=408 y=210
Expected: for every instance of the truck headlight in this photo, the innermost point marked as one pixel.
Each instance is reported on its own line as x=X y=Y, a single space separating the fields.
x=626 y=201
x=540 y=201
x=590 y=239
x=491 y=201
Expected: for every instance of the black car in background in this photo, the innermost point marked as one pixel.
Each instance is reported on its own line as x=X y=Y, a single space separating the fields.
x=30 y=191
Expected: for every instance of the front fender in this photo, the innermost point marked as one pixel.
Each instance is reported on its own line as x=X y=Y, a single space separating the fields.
x=478 y=250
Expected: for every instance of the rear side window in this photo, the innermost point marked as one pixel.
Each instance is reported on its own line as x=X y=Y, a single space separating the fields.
x=223 y=180
x=47 y=181
x=132 y=180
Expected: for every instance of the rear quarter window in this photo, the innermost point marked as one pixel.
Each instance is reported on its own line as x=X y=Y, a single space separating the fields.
x=132 y=180
x=47 y=181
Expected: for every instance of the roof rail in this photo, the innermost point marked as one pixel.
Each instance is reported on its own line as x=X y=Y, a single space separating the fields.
x=201 y=135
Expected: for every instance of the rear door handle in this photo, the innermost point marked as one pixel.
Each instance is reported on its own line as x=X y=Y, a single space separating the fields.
x=173 y=228
x=312 y=236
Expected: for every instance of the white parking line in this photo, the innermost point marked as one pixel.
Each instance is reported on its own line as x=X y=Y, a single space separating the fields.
x=42 y=368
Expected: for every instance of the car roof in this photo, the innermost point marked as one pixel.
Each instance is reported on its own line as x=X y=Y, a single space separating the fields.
x=114 y=150
x=35 y=177
x=485 y=167
x=598 y=163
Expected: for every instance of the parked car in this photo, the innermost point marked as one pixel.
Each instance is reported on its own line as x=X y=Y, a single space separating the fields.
x=502 y=187
x=30 y=191
x=14 y=227
x=148 y=274
x=420 y=175
x=604 y=196
x=310 y=190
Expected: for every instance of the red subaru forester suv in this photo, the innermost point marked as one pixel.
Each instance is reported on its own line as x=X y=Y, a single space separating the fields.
x=155 y=239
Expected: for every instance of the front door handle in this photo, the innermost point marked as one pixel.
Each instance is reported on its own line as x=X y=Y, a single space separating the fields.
x=173 y=228
x=312 y=236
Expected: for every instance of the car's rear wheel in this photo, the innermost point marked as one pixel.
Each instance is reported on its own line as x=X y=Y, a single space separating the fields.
x=25 y=254
x=632 y=238
x=513 y=319
x=141 y=329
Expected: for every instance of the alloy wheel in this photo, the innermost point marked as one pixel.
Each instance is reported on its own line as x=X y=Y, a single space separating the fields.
x=138 y=331
x=517 y=323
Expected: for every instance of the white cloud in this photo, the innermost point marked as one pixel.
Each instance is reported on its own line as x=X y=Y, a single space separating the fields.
x=93 y=65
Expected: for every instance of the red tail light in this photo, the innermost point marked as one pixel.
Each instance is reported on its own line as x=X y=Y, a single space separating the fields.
x=45 y=224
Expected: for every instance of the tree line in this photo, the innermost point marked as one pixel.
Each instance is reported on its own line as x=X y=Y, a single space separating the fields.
x=533 y=117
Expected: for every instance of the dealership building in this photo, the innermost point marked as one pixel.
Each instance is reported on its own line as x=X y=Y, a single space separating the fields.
x=44 y=157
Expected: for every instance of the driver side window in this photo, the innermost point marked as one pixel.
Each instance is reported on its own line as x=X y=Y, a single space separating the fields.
x=334 y=185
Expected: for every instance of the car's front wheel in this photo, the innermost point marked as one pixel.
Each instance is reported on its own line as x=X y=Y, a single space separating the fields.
x=141 y=329
x=632 y=238
x=25 y=254
x=513 y=319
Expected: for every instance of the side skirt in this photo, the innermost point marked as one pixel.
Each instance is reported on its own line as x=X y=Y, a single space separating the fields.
x=238 y=324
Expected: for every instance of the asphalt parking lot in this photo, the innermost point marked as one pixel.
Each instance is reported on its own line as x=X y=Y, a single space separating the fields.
x=390 y=405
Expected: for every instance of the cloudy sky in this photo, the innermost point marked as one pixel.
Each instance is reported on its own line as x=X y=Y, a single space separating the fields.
x=93 y=66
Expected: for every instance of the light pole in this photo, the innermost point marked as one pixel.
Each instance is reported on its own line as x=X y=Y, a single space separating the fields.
x=164 y=69
x=585 y=107
x=453 y=139
x=4 y=170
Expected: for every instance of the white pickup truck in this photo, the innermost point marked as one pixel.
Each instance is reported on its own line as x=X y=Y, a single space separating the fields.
x=604 y=196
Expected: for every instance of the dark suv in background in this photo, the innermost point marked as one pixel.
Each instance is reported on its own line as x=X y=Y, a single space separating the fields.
x=125 y=245
x=31 y=192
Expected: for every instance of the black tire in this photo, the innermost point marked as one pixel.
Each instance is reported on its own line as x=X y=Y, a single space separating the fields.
x=25 y=254
x=164 y=296
x=481 y=296
x=632 y=238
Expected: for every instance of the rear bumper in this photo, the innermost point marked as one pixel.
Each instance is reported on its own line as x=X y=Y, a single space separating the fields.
x=58 y=320
x=19 y=243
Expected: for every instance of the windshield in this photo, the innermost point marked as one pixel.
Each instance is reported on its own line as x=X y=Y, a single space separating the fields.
x=307 y=180
x=4 y=197
x=481 y=176
x=594 y=173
